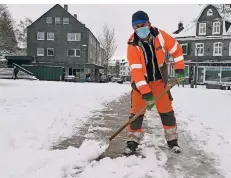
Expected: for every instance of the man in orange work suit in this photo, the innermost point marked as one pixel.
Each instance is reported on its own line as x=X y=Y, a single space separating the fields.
x=146 y=53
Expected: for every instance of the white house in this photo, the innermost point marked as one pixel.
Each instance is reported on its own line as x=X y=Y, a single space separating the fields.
x=124 y=68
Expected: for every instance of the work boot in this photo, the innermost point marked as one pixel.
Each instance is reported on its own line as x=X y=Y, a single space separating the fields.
x=131 y=148
x=173 y=146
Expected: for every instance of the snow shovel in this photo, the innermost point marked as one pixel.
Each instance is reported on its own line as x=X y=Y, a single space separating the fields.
x=142 y=111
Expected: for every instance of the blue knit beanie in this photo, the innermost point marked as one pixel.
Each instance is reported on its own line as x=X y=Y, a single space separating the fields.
x=139 y=17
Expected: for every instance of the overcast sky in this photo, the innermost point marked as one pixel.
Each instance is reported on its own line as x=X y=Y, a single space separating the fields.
x=118 y=17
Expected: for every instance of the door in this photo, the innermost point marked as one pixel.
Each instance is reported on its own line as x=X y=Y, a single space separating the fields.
x=200 y=75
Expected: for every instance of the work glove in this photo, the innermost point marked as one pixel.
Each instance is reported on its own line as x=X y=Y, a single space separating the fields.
x=150 y=102
x=180 y=77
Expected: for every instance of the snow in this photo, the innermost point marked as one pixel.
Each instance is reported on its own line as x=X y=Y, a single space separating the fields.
x=37 y=114
x=31 y=163
x=130 y=167
x=188 y=31
x=3 y=60
x=207 y=114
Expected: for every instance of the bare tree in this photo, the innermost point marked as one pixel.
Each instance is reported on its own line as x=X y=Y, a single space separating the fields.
x=108 y=43
x=21 y=32
x=8 y=42
x=225 y=9
x=3 y=7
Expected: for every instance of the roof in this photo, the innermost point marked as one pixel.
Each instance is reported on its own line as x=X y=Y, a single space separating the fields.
x=190 y=28
x=57 y=5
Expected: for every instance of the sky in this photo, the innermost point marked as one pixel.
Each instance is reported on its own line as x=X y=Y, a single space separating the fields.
x=165 y=17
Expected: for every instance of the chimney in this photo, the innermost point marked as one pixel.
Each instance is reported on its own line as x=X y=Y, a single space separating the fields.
x=75 y=15
x=180 y=25
x=66 y=7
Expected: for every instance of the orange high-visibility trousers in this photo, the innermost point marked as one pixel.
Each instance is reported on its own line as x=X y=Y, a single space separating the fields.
x=164 y=108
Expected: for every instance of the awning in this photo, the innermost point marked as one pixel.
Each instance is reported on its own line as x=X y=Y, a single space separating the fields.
x=26 y=58
x=94 y=66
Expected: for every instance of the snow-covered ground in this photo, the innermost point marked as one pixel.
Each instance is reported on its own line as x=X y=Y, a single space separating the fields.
x=35 y=114
x=207 y=114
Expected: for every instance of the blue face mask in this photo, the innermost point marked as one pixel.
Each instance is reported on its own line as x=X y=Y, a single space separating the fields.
x=143 y=32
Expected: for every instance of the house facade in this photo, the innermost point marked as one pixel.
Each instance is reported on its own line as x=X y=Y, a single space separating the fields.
x=206 y=44
x=125 y=70
x=58 y=38
x=114 y=67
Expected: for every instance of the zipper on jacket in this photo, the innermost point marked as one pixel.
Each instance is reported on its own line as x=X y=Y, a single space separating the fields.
x=153 y=63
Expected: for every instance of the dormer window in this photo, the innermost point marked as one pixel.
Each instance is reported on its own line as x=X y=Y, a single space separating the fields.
x=216 y=27
x=202 y=29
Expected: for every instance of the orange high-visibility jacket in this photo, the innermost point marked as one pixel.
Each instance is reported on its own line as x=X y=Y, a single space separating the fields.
x=135 y=53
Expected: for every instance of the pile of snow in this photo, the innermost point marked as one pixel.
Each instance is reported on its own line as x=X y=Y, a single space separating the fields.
x=31 y=163
x=134 y=166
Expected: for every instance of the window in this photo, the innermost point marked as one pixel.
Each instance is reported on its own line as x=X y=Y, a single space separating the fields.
x=70 y=71
x=65 y=20
x=49 y=20
x=70 y=37
x=40 y=35
x=229 y=48
x=216 y=27
x=217 y=49
x=77 y=51
x=50 y=51
x=202 y=29
x=73 y=36
x=199 y=49
x=57 y=20
x=40 y=51
x=73 y=52
x=78 y=36
x=210 y=12
x=185 y=48
x=50 y=36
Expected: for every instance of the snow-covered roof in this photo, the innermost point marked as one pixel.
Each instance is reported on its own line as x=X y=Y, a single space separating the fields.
x=116 y=59
x=190 y=28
